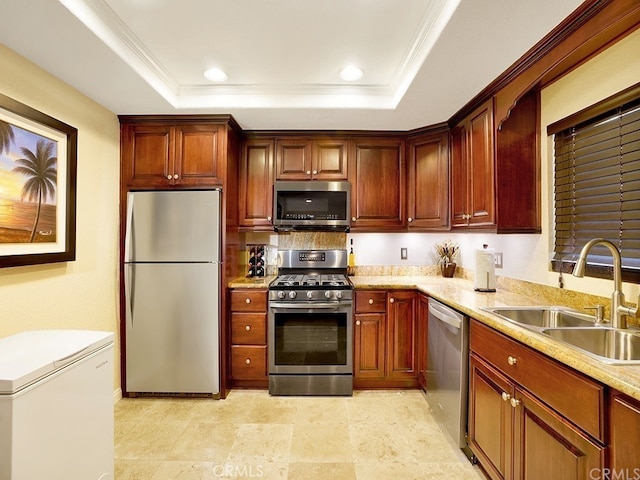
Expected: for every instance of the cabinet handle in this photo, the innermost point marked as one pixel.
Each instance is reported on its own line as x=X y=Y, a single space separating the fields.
x=176 y=176
x=371 y=301
x=353 y=219
x=357 y=322
x=247 y=301
x=308 y=172
x=512 y=360
x=315 y=172
x=248 y=361
x=269 y=218
x=505 y=396
x=169 y=177
x=248 y=328
x=514 y=402
x=410 y=219
x=391 y=300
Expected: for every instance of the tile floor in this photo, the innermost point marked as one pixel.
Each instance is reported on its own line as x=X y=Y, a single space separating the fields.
x=372 y=435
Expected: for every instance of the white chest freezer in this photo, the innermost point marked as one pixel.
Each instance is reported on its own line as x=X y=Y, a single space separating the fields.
x=56 y=405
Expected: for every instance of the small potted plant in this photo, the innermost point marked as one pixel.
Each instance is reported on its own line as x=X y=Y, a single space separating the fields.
x=447 y=252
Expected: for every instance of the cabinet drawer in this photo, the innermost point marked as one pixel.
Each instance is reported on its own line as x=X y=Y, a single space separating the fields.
x=249 y=328
x=248 y=362
x=249 y=300
x=371 y=301
x=575 y=396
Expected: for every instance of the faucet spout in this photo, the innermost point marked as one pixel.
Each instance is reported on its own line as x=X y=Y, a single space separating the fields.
x=619 y=311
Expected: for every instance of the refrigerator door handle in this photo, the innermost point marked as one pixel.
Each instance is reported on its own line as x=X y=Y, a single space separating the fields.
x=128 y=235
x=129 y=282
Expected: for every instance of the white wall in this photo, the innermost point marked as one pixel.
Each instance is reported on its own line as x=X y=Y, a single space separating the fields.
x=527 y=257
x=81 y=294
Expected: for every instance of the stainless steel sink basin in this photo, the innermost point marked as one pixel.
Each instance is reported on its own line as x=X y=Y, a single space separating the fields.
x=609 y=345
x=543 y=317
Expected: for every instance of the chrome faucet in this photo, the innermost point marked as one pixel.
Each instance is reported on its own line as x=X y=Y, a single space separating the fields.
x=619 y=311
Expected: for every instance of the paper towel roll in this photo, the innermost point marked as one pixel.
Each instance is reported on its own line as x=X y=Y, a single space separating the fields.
x=485 y=279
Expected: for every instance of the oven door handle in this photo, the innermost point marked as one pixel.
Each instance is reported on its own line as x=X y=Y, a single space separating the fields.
x=309 y=306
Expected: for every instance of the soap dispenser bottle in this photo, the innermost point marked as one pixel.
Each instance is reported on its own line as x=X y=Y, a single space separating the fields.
x=351 y=262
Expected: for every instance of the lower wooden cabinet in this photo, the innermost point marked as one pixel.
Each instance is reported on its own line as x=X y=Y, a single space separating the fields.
x=248 y=318
x=385 y=336
x=513 y=430
x=624 y=436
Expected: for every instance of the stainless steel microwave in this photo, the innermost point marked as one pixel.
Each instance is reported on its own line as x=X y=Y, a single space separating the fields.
x=311 y=205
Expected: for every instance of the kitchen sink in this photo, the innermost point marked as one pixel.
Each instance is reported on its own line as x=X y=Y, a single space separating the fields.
x=543 y=317
x=609 y=345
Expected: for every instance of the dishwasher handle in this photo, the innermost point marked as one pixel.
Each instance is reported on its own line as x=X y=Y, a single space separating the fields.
x=445 y=314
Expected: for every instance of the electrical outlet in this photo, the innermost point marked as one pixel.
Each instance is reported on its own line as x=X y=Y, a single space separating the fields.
x=403 y=253
x=498 y=259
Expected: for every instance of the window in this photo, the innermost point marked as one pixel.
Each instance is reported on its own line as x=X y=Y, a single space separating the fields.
x=597 y=184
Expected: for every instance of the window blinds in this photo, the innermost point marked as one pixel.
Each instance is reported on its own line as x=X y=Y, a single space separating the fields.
x=597 y=186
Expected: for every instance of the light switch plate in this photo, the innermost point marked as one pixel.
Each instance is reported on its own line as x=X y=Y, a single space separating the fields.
x=403 y=253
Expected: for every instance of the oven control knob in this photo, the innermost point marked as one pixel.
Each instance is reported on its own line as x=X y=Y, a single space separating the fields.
x=309 y=295
x=338 y=294
x=292 y=294
x=327 y=294
x=281 y=294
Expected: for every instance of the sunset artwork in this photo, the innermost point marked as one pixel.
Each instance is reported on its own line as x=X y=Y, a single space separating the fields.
x=28 y=186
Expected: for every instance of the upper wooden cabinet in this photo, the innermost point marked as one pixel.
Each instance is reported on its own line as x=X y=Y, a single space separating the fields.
x=311 y=159
x=428 y=182
x=378 y=184
x=157 y=155
x=472 y=170
x=255 y=202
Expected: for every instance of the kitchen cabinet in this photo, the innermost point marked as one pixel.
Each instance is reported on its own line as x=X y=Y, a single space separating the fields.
x=523 y=423
x=472 y=170
x=385 y=339
x=624 y=435
x=422 y=318
x=428 y=181
x=248 y=319
x=160 y=155
x=255 y=202
x=300 y=158
x=378 y=184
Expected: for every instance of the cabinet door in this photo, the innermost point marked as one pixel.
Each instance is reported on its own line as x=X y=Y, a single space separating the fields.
x=459 y=176
x=624 y=434
x=401 y=334
x=481 y=166
x=490 y=419
x=422 y=318
x=547 y=446
x=369 y=345
x=428 y=189
x=377 y=175
x=147 y=155
x=196 y=155
x=329 y=159
x=293 y=159
x=256 y=184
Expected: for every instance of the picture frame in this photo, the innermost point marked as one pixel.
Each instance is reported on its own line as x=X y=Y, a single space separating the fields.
x=38 y=174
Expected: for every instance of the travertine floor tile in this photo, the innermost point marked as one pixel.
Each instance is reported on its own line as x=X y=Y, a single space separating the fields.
x=372 y=435
x=321 y=443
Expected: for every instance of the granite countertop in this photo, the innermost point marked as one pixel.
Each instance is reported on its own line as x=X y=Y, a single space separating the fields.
x=459 y=294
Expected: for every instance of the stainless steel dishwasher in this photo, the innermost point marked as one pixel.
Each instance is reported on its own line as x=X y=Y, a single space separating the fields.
x=447 y=370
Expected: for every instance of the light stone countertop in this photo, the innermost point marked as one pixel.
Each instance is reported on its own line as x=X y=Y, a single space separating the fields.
x=460 y=295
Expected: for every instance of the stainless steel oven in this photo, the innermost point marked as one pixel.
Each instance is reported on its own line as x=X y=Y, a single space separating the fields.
x=310 y=326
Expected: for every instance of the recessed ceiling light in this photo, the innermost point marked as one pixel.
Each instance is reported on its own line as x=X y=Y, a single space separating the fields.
x=215 y=75
x=351 y=73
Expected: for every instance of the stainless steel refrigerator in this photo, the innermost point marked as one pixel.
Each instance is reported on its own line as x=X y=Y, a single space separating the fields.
x=172 y=292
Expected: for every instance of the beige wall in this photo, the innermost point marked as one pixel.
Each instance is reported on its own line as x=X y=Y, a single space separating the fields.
x=81 y=294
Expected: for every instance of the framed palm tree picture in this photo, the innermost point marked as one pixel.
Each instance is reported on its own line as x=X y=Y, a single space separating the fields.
x=38 y=158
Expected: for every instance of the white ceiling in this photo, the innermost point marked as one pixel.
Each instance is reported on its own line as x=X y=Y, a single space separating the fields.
x=422 y=59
